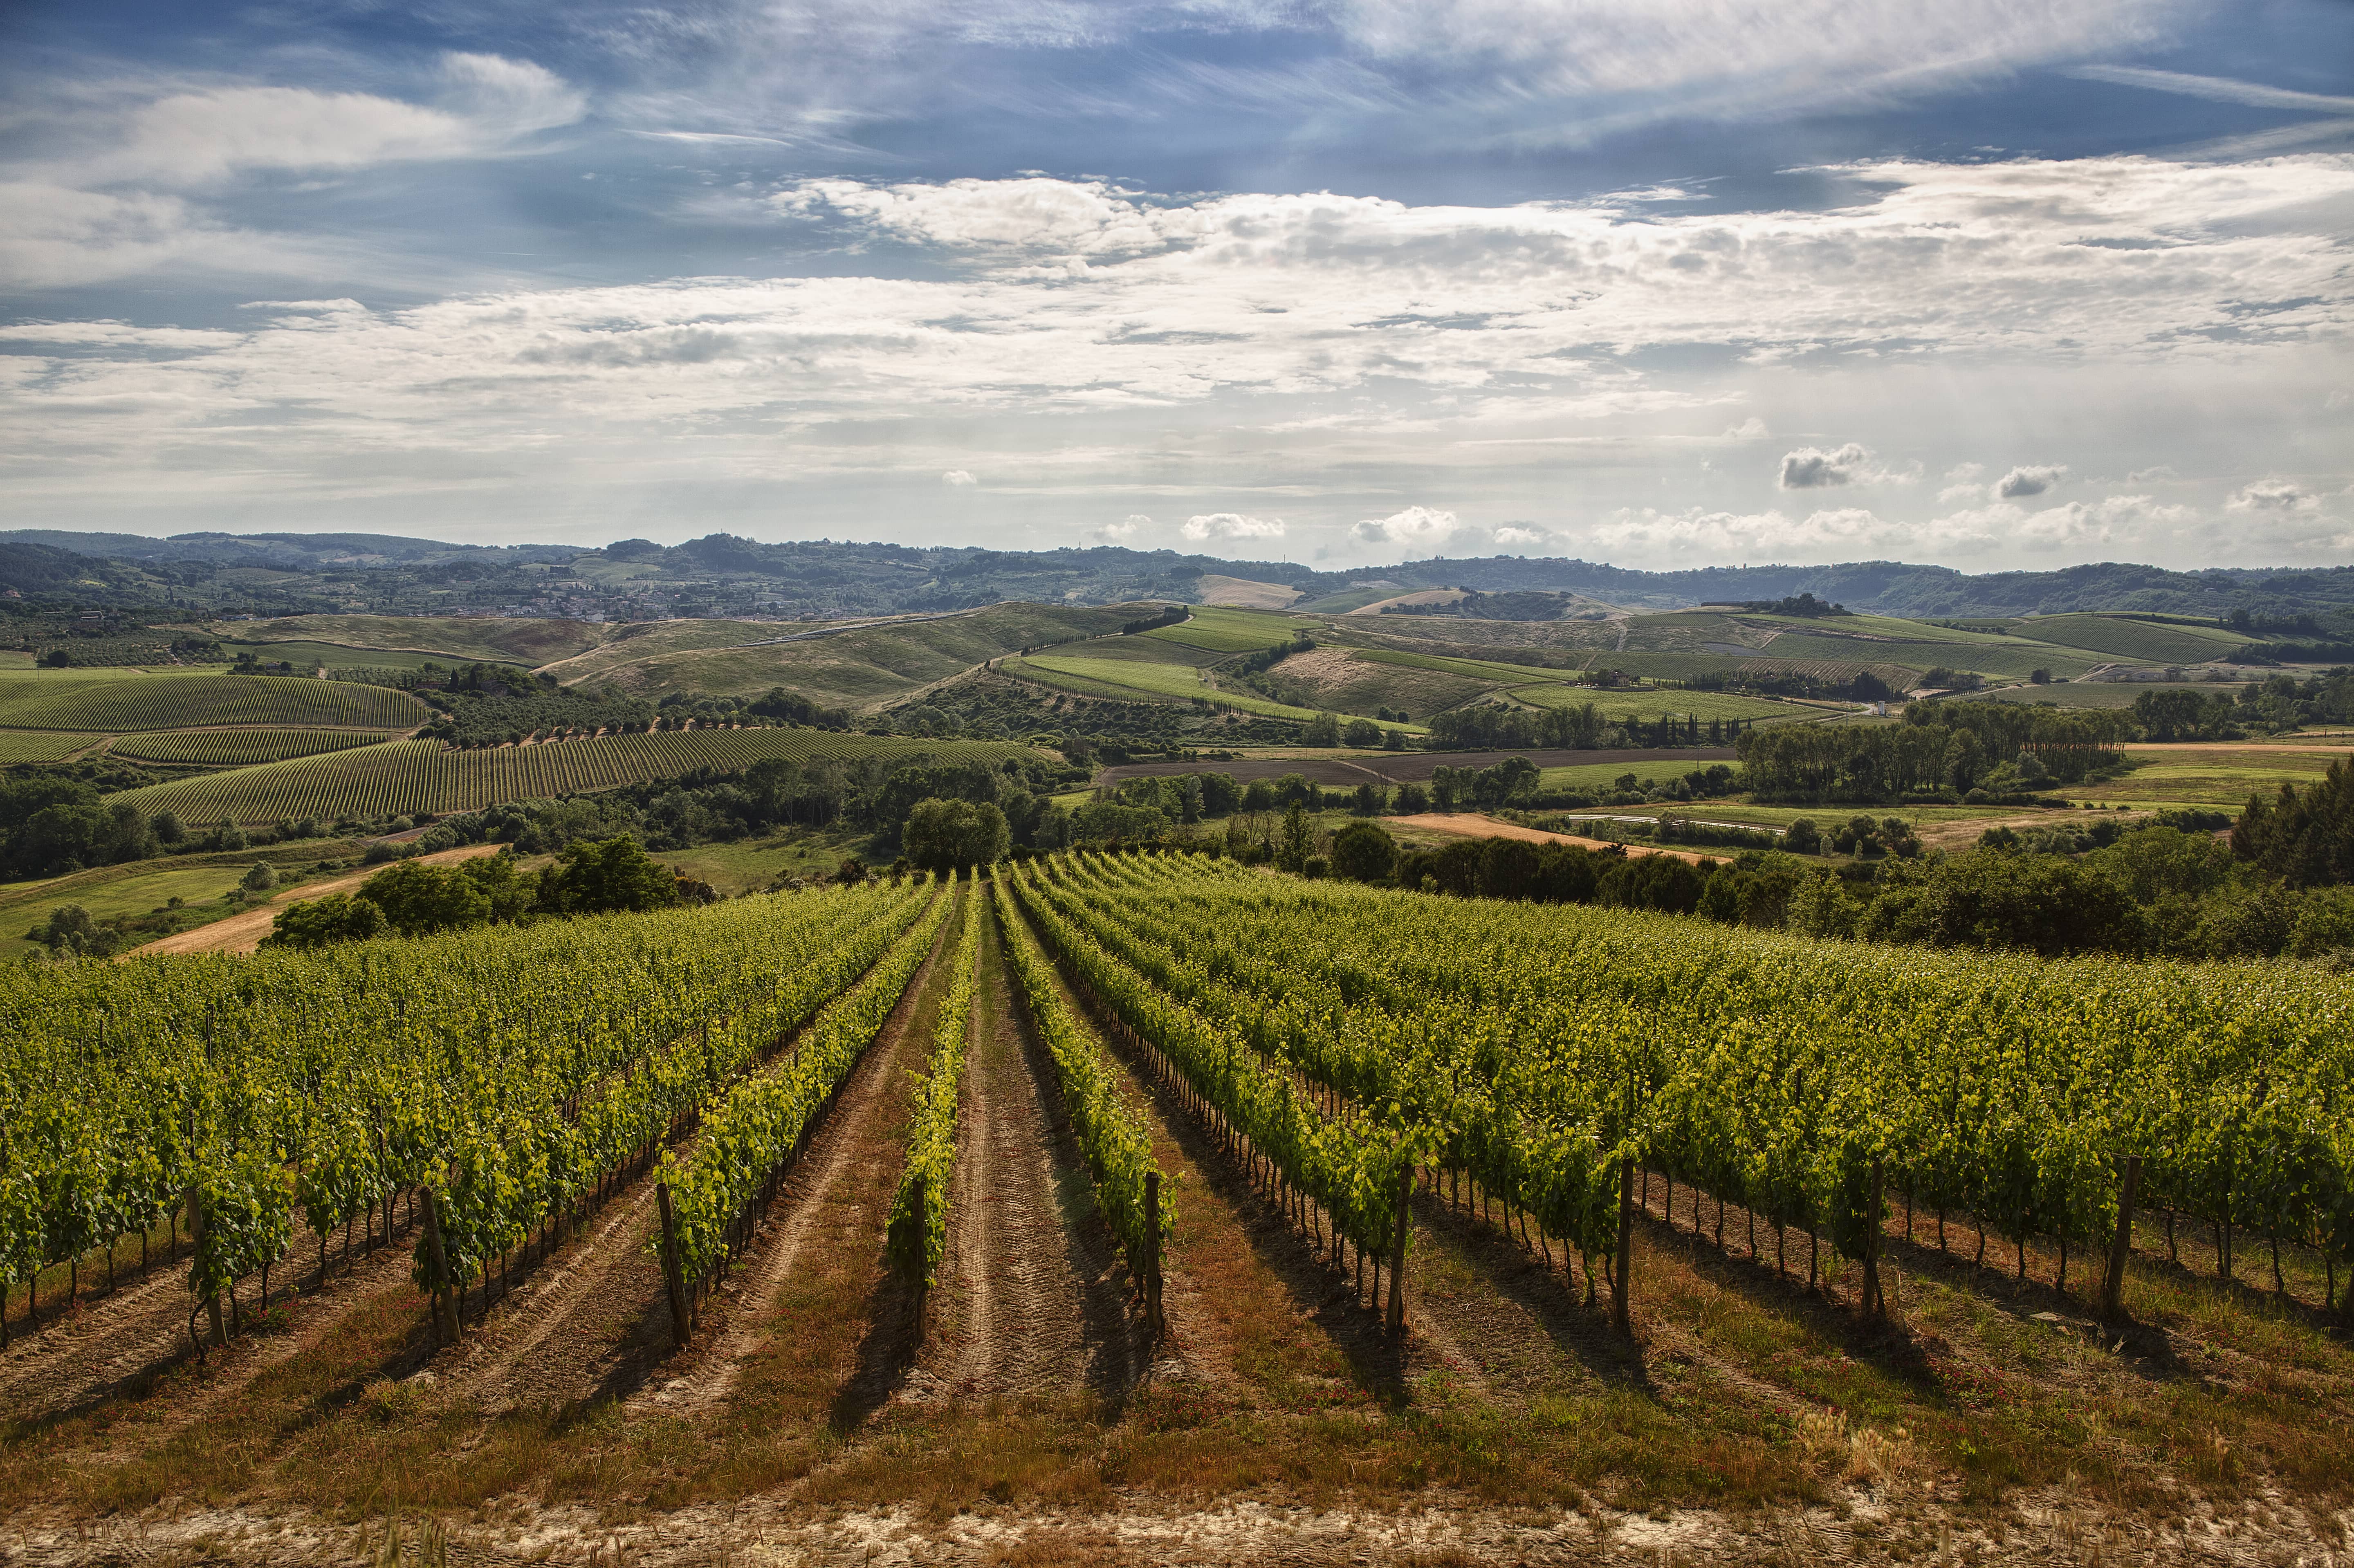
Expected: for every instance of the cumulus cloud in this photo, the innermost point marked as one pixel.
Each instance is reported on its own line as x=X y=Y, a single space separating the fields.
x=1225 y=525
x=1752 y=429
x=1414 y=525
x=1515 y=535
x=1812 y=468
x=2272 y=495
x=1128 y=527
x=2032 y=480
x=957 y=476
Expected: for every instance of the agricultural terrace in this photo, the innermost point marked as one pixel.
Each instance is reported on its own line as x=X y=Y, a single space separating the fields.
x=403 y=778
x=75 y=700
x=1353 y=1197
x=2142 y=642
x=1228 y=630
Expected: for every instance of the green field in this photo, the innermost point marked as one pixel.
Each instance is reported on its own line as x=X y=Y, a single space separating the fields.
x=1691 y=666
x=41 y=745
x=239 y=747
x=68 y=701
x=1227 y=631
x=406 y=777
x=2223 y=778
x=498 y=638
x=2140 y=640
x=1164 y=681
x=1139 y=649
x=1343 y=602
x=1651 y=704
x=1993 y=656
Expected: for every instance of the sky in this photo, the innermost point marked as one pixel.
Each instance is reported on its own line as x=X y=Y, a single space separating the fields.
x=1993 y=284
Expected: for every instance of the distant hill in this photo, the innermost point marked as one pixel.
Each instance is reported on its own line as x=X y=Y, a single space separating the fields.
x=723 y=577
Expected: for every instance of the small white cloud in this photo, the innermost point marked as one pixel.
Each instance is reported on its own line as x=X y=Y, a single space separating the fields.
x=2163 y=472
x=1230 y=526
x=1128 y=527
x=1512 y=534
x=1812 y=468
x=1414 y=525
x=959 y=477
x=2032 y=480
x=2272 y=495
x=1962 y=473
x=1752 y=429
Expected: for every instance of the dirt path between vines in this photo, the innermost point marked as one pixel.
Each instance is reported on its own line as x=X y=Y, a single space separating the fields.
x=1036 y=1291
x=243 y=933
x=836 y=1199
x=590 y=1322
x=117 y=1342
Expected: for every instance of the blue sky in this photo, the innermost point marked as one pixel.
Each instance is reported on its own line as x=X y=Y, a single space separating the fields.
x=1666 y=283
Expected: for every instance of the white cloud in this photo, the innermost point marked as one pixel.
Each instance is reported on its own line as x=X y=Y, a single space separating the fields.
x=2032 y=480
x=1752 y=429
x=1511 y=536
x=1414 y=525
x=1127 y=529
x=483 y=102
x=2272 y=495
x=1812 y=468
x=1225 y=525
x=2158 y=473
x=957 y=476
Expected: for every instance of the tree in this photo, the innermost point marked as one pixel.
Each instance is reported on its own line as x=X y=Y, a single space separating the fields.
x=1325 y=729
x=2039 y=677
x=944 y=835
x=317 y=922
x=605 y=877
x=419 y=899
x=168 y=827
x=261 y=879
x=1362 y=732
x=1299 y=841
x=1363 y=851
x=1803 y=837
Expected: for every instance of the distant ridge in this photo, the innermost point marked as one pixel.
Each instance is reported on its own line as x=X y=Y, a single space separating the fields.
x=296 y=573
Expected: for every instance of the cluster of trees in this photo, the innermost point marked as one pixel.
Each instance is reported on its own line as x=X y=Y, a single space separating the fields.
x=1863 y=687
x=51 y=825
x=1943 y=751
x=416 y=898
x=1488 y=726
x=2161 y=890
x=2305 y=838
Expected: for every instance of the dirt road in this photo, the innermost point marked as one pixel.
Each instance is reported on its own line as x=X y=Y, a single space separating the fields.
x=243 y=933
x=1472 y=825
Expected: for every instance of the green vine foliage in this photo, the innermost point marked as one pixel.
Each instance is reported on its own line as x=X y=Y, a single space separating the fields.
x=919 y=1210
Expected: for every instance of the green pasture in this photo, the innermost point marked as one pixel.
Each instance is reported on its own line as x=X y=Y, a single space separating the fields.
x=1228 y=630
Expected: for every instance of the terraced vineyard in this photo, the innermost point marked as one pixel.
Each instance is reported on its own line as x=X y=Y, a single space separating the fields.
x=42 y=746
x=1194 y=1176
x=403 y=778
x=239 y=747
x=2142 y=642
x=67 y=702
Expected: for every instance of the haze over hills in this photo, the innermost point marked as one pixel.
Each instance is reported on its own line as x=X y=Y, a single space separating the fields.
x=724 y=576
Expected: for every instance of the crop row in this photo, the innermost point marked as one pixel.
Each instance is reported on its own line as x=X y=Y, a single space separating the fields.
x=187 y=702
x=404 y=778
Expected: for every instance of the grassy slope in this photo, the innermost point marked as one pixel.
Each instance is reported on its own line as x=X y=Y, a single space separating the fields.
x=470 y=637
x=2104 y=693
x=1997 y=656
x=116 y=703
x=1358 y=682
x=1229 y=631
x=1130 y=677
x=328 y=655
x=2138 y=639
x=862 y=667
x=1651 y=704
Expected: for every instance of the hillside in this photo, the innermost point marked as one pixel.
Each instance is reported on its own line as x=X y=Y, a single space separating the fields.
x=723 y=576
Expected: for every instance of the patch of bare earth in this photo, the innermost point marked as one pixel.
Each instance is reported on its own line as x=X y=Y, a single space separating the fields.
x=829 y=1212
x=1035 y=1294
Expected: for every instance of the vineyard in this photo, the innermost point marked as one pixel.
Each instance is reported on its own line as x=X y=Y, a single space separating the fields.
x=41 y=701
x=1169 y=1169
x=239 y=747
x=41 y=746
x=402 y=777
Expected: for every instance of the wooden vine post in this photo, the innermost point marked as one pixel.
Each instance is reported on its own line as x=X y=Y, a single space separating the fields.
x=1619 y=1318
x=1154 y=1323
x=445 y=1310
x=679 y=1324
x=2112 y=1284
x=1875 y=1299
x=1397 y=1250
